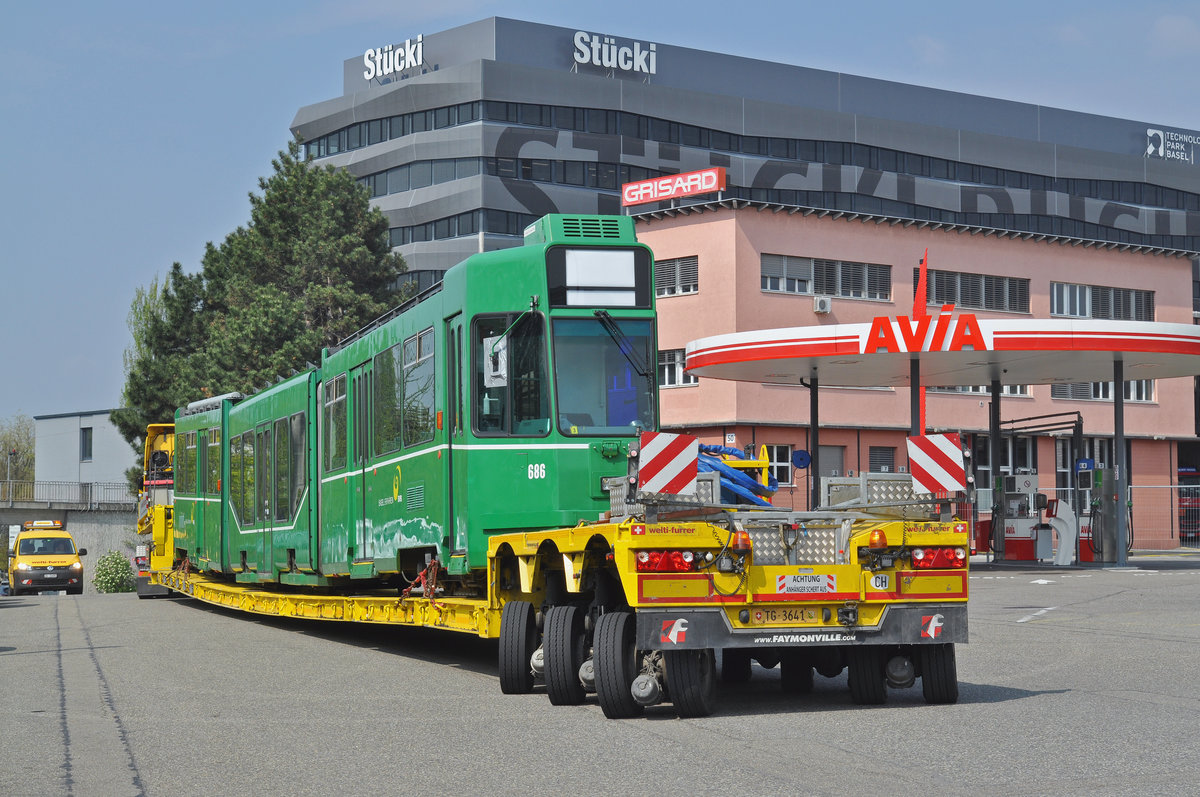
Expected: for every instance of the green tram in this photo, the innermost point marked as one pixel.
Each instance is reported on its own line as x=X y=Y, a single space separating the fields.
x=497 y=401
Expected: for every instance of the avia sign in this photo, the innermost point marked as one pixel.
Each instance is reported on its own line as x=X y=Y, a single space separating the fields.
x=945 y=333
x=596 y=50
x=672 y=186
x=383 y=61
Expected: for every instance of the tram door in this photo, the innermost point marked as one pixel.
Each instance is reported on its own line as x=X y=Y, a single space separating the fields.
x=362 y=381
x=264 y=479
x=456 y=487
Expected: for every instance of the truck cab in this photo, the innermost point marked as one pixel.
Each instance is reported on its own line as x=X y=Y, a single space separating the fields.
x=44 y=558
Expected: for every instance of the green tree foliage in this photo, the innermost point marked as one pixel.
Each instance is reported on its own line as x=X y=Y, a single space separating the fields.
x=16 y=434
x=312 y=266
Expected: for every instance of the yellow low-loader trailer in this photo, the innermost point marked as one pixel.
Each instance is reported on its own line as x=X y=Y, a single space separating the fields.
x=639 y=612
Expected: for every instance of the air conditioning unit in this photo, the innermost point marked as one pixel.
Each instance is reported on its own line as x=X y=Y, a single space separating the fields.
x=822 y=304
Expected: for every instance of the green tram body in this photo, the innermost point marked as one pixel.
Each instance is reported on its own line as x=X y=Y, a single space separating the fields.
x=495 y=402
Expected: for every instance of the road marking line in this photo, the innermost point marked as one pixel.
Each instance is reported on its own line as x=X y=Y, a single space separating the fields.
x=1036 y=614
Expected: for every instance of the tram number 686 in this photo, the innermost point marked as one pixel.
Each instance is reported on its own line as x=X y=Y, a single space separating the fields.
x=537 y=471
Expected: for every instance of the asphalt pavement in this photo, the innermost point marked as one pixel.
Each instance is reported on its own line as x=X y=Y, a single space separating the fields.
x=1076 y=681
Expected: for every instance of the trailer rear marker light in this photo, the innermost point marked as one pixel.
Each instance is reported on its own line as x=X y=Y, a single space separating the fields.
x=665 y=561
x=930 y=558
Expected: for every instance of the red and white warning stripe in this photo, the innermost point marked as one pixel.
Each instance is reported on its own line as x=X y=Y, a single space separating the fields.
x=936 y=463
x=667 y=463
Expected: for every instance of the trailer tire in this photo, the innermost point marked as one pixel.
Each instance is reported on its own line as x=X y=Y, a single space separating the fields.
x=796 y=672
x=867 y=685
x=614 y=655
x=518 y=641
x=691 y=681
x=939 y=673
x=735 y=665
x=563 y=649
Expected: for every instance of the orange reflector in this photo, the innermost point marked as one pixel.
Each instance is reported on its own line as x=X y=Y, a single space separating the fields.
x=877 y=540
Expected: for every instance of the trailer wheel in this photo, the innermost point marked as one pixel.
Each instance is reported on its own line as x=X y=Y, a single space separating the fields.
x=518 y=641
x=867 y=686
x=691 y=681
x=563 y=648
x=735 y=665
x=796 y=672
x=615 y=658
x=939 y=673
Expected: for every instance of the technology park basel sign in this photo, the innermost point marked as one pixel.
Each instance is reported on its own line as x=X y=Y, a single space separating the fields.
x=1171 y=145
x=673 y=186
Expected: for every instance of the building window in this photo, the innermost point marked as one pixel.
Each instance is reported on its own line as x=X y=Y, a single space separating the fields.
x=85 y=444
x=786 y=274
x=1005 y=390
x=1137 y=390
x=670 y=369
x=847 y=279
x=1099 y=301
x=882 y=459
x=676 y=276
x=1196 y=285
x=780 y=458
x=975 y=291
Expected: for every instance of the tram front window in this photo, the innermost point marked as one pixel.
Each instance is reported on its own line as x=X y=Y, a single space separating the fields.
x=605 y=376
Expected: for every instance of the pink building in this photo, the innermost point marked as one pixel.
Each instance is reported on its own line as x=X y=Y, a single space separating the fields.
x=723 y=269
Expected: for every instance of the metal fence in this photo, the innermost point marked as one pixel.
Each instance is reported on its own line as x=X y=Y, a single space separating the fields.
x=72 y=493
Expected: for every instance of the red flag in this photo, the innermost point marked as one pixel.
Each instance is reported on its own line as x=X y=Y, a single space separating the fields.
x=919 y=311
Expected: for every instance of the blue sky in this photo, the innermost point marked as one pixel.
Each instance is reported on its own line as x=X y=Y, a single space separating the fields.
x=133 y=131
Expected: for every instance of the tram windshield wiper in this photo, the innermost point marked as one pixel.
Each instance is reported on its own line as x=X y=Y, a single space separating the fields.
x=623 y=342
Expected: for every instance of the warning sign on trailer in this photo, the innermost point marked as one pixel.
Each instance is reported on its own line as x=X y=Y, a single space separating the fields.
x=936 y=462
x=668 y=463
x=805 y=583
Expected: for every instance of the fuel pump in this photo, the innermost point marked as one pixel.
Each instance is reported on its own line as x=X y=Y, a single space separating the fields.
x=1098 y=542
x=1026 y=536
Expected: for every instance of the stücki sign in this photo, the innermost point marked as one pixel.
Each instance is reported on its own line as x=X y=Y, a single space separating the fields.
x=672 y=186
x=902 y=334
x=384 y=61
x=597 y=50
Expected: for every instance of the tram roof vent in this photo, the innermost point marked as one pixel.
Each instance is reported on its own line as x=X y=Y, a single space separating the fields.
x=556 y=228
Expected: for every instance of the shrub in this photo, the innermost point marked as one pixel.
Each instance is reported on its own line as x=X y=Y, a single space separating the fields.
x=114 y=573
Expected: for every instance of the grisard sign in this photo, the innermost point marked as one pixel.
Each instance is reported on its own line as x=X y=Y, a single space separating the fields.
x=673 y=186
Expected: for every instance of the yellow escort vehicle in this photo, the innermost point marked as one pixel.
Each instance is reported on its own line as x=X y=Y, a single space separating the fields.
x=44 y=558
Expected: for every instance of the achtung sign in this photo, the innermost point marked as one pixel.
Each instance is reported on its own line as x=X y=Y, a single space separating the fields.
x=673 y=186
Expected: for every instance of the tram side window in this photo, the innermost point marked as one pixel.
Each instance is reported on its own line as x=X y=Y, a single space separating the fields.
x=189 y=465
x=213 y=461
x=235 y=478
x=248 y=478
x=283 y=471
x=509 y=363
x=181 y=462
x=389 y=377
x=299 y=452
x=264 y=478
x=335 y=423
x=419 y=393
